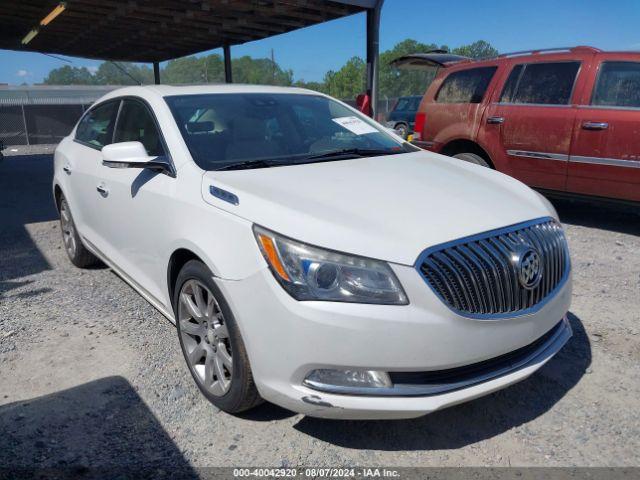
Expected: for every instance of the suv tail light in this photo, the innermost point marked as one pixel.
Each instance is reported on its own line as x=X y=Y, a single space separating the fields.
x=419 y=125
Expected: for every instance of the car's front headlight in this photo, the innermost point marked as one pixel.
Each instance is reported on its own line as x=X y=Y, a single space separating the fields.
x=312 y=273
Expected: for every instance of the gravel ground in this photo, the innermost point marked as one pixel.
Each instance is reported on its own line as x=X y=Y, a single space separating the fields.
x=90 y=374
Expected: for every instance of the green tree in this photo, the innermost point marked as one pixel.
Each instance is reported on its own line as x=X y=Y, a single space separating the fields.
x=478 y=49
x=260 y=71
x=397 y=82
x=68 y=75
x=205 y=69
x=317 y=86
x=347 y=82
x=109 y=74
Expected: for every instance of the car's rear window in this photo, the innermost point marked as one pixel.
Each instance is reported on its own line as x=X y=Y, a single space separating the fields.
x=618 y=85
x=465 y=86
x=224 y=129
x=407 y=104
x=541 y=83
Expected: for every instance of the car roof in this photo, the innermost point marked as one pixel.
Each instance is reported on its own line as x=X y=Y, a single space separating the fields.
x=526 y=55
x=171 y=90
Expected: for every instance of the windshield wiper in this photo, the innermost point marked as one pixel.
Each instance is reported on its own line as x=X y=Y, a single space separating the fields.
x=351 y=152
x=248 y=164
x=320 y=157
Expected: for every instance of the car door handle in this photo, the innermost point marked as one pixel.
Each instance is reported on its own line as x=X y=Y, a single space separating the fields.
x=67 y=169
x=102 y=190
x=595 y=125
x=495 y=120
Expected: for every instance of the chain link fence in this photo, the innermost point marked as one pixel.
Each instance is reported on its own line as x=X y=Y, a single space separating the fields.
x=42 y=115
x=37 y=124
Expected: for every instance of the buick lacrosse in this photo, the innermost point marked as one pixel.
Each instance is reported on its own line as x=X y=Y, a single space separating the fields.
x=310 y=257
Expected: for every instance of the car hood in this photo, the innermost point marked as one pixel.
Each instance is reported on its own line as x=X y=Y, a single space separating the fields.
x=390 y=207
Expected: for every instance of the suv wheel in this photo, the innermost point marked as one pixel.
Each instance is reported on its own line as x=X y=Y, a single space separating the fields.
x=472 y=158
x=211 y=342
x=77 y=252
x=402 y=130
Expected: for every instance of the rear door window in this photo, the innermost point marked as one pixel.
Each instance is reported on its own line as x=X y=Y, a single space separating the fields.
x=465 y=86
x=541 y=83
x=96 y=127
x=618 y=85
x=510 y=85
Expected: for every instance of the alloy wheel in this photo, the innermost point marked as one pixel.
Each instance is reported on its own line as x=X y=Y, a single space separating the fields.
x=68 y=229
x=205 y=337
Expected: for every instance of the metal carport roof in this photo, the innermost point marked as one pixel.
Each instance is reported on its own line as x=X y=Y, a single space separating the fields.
x=158 y=30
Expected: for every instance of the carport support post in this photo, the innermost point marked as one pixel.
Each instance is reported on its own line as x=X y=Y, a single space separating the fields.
x=156 y=72
x=228 y=77
x=373 y=55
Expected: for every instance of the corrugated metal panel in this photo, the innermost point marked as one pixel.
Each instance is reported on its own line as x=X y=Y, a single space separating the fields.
x=51 y=95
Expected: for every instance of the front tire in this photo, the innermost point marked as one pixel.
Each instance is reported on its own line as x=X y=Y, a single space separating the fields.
x=472 y=158
x=76 y=251
x=211 y=342
x=403 y=130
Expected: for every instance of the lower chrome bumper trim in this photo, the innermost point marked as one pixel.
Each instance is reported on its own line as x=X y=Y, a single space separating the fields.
x=443 y=381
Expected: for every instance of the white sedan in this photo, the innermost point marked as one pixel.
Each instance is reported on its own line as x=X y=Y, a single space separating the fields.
x=310 y=257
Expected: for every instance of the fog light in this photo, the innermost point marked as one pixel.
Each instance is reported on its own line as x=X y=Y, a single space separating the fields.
x=345 y=380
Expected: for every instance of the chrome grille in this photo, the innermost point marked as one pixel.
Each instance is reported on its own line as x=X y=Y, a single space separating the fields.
x=479 y=276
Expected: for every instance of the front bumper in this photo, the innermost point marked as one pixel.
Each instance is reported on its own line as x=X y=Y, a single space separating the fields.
x=286 y=339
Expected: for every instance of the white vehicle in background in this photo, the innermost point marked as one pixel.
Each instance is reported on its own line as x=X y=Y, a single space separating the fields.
x=310 y=258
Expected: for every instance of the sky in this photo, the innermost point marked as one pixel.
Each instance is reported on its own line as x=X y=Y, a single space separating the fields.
x=508 y=25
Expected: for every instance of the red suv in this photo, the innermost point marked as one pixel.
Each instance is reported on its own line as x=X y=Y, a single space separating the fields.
x=565 y=120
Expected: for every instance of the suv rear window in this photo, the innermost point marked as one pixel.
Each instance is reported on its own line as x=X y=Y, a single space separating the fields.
x=465 y=86
x=618 y=85
x=541 y=83
x=407 y=104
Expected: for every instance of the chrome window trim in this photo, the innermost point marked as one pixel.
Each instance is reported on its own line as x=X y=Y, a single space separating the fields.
x=549 y=348
x=484 y=235
x=615 y=162
x=609 y=107
x=551 y=105
x=539 y=155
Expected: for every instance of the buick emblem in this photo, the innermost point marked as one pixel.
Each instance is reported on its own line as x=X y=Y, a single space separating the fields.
x=529 y=268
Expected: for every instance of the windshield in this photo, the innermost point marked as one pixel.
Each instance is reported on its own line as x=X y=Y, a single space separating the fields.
x=230 y=129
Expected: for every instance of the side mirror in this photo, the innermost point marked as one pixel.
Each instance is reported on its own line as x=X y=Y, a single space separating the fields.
x=133 y=155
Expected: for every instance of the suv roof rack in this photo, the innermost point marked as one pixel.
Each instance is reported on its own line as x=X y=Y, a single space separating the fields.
x=580 y=48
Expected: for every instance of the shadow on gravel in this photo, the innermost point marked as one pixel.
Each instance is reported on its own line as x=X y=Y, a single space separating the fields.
x=101 y=428
x=470 y=422
x=25 y=197
x=601 y=215
x=266 y=413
